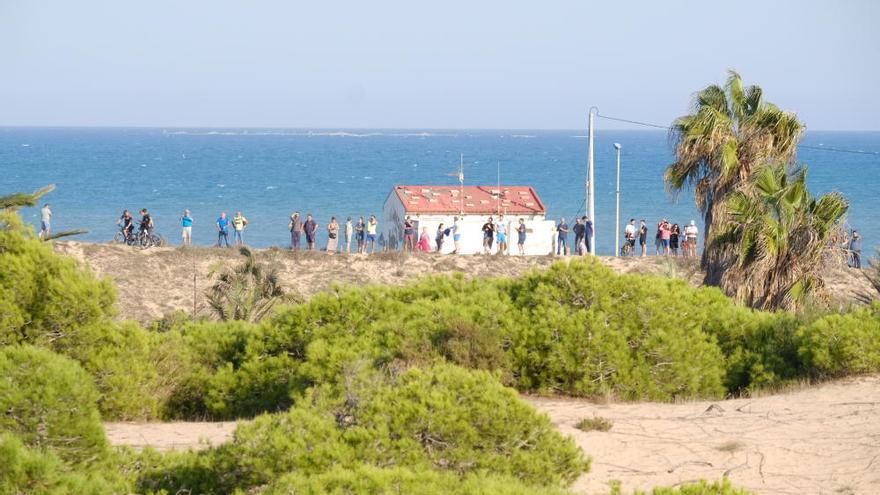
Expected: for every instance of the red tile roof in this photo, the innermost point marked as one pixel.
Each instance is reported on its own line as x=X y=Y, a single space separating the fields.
x=488 y=200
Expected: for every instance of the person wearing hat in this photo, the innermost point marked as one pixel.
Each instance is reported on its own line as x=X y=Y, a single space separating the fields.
x=690 y=233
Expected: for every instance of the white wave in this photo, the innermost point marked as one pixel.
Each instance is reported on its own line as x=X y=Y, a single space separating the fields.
x=25 y=145
x=367 y=177
x=523 y=136
x=221 y=185
x=269 y=188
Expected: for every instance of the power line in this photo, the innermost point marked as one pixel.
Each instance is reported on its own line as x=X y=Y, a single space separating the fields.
x=819 y=148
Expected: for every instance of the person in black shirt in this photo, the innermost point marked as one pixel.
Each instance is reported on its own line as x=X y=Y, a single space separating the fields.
x=146 y=222
x=579 y=231
x=643 y=237
x=488 y=236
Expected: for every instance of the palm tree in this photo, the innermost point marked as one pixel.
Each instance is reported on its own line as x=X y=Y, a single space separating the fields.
x=773 y=235
x=248 y=291
x=731 y=132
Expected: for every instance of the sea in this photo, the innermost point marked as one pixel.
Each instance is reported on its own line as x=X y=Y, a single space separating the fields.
x=269 y=173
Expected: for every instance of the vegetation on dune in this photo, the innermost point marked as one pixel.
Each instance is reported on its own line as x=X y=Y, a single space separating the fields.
x=248 y=291
x=765 y=235
x=374 y=389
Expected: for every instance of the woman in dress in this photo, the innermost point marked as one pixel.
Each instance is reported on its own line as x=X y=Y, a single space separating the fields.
x=439 y=238
x=332 y=235
x=674 y=234
x=521 y=237
x=425 y=241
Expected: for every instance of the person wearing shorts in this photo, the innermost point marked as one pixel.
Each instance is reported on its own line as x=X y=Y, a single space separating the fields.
x=488 y=235
x=521 y=237
x=456 y=234
x=186 y=224
x=296 y=227
x=372 y=227
x=45 y=221
x=409 y=235
x=643 y=237
x=310 y=229
x=501 y=235
x=665 y=234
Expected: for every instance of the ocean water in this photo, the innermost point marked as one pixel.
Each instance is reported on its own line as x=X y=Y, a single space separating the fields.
x=269 y=173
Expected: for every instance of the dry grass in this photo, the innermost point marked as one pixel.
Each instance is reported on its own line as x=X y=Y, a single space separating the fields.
x=596 y=423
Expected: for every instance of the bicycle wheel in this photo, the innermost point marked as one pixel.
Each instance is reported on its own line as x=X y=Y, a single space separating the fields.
x=118 y=238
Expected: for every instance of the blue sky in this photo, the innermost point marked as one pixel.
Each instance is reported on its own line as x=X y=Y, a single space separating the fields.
x=411 y=64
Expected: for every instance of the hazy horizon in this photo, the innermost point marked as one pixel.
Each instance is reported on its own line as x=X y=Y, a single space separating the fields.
x=398 y=65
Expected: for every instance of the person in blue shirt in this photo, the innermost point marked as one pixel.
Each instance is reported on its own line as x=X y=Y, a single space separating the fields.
x=186 y=224
x=855 y=250
x=222 y=230
x=561 y=242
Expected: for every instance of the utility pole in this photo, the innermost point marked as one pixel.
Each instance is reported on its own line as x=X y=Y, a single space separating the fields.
x=617 y=210
x=590 y=200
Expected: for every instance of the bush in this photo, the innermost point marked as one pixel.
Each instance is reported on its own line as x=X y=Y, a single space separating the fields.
x=837 y=345
x=443 y=418
x=25 y=470
x=701 y=487
x=49 y=402
x=369 y=480
x=44 y=298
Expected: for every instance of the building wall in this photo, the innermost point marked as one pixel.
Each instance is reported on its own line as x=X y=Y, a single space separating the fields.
x=539 y=236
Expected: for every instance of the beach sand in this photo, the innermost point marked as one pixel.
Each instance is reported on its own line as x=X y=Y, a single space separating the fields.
x=821 y=439
x=154 y=282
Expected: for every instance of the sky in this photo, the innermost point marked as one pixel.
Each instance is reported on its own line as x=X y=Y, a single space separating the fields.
x=427 y=65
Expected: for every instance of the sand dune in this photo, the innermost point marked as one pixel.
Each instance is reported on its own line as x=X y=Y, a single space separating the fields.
x=154 y=282
x=823 y=439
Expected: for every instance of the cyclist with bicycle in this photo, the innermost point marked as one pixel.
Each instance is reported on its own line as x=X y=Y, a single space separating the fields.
x=126 y=224
x=146 y=226
x=629 y=234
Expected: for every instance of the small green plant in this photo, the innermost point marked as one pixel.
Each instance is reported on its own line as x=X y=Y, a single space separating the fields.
x=596 y=423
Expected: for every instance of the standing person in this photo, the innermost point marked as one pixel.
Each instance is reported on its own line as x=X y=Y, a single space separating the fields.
x=488 y=235
x=425 y=241
x=222 y=230
x=239 y=222
x=855 y=249
x=665 y=234
x=674 y=234
x=588 y=232
x=562 y=237
x=310 y=228
x=360 y=234
x=521 y=237
x=186 y=225
x=439 y=237
x=409 y=235
x=348 y=230
x=690 y=233
x=372 y=228
x=629 y=234
x=658 y=238
x=332 y=235
x=45 y=221
x=643 y=237
x=579 y=230
x=501 y=235
x=456 y=234
x=296 y=227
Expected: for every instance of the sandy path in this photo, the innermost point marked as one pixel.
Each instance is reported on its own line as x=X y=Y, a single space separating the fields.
x=817 y=440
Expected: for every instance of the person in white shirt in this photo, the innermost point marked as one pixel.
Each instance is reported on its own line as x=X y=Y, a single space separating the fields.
x=45 y=221
x=630 y=235
x=690 y=233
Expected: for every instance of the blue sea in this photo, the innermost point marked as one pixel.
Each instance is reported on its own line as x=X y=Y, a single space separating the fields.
x=268 y=173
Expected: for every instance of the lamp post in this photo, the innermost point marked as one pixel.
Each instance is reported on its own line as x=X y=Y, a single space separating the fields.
x=617 y=210
x=589 y=189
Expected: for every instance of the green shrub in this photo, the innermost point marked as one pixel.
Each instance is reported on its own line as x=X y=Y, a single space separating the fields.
x=443 y=418
x=701 y=487
x=49 y=402
x=837 y=345
x=45 y=298
x=371 y=480
x=25 y=470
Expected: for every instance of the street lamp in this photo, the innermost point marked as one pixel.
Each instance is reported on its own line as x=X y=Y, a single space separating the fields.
x=617 y=211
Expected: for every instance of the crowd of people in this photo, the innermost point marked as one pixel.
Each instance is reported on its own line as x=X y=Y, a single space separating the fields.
x=670 y=239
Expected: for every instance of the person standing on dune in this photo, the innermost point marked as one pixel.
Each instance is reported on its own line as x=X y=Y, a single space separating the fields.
x=348 y=231
x=372 y=228
x=239 y=222
x=222 y=230
x=45 y=221
x=310 y=228
x=186 y=225
x=296 y=227
x=332 y=235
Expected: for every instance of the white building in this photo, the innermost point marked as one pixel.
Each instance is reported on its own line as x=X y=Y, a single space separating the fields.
x=429 y=206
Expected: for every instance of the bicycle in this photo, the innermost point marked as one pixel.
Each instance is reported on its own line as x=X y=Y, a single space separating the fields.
x=121 y=238
x=627 y=249
x=147 y=240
